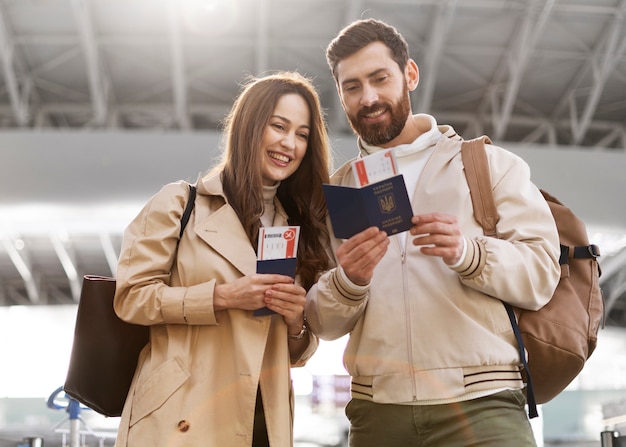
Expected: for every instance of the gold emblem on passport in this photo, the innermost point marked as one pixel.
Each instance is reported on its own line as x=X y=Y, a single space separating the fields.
x=387 y=203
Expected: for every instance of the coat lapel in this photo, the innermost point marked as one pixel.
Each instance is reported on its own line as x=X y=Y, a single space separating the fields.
x=222 y=230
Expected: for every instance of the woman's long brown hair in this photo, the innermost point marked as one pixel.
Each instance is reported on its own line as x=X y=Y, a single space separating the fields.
x=301 y=194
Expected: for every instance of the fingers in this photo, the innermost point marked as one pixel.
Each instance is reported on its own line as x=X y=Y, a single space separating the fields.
x=287 y=300
x=247 y=292
x=271 y=278
x=438 y=235
x=360 y=254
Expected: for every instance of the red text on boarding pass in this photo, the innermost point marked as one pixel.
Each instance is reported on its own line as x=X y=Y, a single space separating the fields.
x=278 y=242
x=374 y=167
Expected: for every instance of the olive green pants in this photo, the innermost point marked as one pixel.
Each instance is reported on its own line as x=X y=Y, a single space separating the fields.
x=493 y=421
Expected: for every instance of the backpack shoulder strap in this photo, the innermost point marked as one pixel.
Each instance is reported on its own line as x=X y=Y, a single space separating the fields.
x=479 y=182
x=486 y=214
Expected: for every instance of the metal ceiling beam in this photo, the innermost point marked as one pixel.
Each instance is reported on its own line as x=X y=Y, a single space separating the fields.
x=616 y=292
x=197 y=76
x=613 y=273
x=543 y=129
x=19 y=99
x=109 y=252
x=61 y=90
x=98 y=85
x=537 y=14
x=613 y=265
x=536 y=125
x=179 y=82
x=612 y=136
x=352 y=12
x=41 y=119
x=14 y=296
x=155 y=108
x=23 y=266
x=534 y=122
x=435 y=51
x=112 y=41
x=602 y=62
x=68 y=262
x=55 y=62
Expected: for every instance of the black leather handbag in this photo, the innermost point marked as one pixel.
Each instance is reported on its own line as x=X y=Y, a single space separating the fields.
x=105 y=349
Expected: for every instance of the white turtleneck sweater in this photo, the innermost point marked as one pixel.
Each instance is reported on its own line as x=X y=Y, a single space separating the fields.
x=269 y=192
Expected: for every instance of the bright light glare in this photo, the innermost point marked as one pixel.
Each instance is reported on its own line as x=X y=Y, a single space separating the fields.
x=35 y=349
x=609 y=241
x=65 y=219
x=209 y=16
x=37 y=343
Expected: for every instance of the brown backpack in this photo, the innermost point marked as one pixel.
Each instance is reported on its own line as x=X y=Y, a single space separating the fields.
x=560 y=336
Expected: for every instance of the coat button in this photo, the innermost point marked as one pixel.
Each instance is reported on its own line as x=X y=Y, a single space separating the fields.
x=183 y=426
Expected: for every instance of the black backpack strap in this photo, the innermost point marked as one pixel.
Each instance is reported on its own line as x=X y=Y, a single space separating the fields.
x=188 y=209
x=530 y=390
x=578 y=252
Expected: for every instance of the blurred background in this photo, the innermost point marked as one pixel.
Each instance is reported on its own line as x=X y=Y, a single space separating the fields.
x=102 y=102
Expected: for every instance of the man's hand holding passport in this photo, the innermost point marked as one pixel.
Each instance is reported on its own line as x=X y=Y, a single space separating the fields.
x=380 y=198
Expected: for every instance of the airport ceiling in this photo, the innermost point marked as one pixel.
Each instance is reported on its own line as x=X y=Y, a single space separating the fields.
x=549 y=71
x=534 y=71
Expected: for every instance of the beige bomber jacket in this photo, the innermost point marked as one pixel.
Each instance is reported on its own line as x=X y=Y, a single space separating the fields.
x=423 y=333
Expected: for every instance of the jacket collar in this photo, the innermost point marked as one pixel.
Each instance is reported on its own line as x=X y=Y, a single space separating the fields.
x=211 y=185
x=222 y=229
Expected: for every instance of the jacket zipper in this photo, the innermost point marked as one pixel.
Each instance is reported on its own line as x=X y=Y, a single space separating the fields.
x=407 y=313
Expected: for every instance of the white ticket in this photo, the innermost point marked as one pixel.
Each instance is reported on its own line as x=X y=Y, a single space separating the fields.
x=375 y=167
x=278 y=242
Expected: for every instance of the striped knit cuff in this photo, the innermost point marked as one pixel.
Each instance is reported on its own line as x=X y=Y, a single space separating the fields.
x=474 y=261
x=343 y=287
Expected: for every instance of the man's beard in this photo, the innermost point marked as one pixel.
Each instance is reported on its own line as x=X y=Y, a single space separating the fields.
x=379 y=134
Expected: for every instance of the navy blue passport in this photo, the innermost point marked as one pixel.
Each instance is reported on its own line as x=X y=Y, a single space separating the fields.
x=384 y=204
x=285 y=266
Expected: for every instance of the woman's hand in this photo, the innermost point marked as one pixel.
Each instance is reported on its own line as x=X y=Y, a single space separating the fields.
x=288 y=300
x=247 y=292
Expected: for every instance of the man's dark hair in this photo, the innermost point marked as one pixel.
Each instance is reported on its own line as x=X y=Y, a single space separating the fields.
x=361 y=33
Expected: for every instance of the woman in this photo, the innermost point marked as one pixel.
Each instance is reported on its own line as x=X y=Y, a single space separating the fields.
x=214 y=374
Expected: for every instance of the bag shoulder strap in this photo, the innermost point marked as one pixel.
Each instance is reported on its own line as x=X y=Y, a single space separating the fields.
x=479 y=182
x=188 y=209
x=486 y=214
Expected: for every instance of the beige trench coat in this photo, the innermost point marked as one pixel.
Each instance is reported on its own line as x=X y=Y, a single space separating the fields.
x=197 y=379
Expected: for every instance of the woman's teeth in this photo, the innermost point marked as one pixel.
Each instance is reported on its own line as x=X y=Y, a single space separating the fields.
x=279 y=157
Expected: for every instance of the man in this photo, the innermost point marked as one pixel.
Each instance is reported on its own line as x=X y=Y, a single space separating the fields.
x=431 y=352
